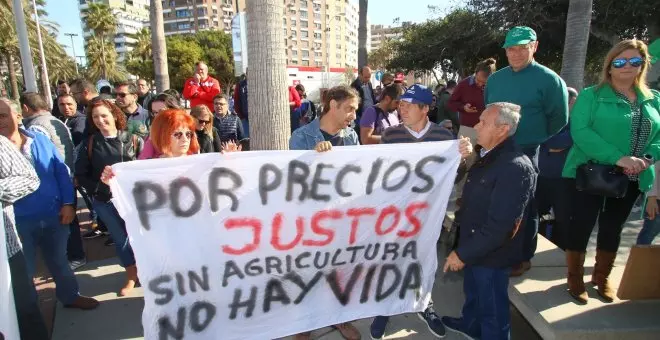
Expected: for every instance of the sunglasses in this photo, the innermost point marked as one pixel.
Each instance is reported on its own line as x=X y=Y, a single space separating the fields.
x=122 y=95
x=203 y=121
x=621 y=62
x=179 y=134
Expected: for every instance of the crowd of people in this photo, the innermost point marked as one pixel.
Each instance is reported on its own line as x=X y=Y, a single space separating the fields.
x=522 y=163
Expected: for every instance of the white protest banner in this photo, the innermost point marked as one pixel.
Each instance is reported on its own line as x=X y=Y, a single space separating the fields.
x=8 y=321
x=260 y=245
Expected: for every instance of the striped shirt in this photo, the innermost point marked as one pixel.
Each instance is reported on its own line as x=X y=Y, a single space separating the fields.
x=401 y=134
x=17 y=180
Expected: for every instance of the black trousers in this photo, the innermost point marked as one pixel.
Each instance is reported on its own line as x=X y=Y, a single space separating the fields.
x=550 y=195
x=30 y=322
x=611 y=214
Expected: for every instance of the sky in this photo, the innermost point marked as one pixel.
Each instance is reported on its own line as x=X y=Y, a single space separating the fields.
x=381 y=12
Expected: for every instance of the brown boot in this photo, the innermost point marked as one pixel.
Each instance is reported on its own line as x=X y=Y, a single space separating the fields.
x=131 y=280
x=575 y=264
x=602 y=270
x=84 y=303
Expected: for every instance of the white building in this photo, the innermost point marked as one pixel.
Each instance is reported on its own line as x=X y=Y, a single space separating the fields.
x=132 y=16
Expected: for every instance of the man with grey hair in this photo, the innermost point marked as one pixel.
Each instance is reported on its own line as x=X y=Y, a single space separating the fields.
x=498 y=188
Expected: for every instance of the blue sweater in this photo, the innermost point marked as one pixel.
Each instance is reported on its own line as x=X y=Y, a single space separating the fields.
x=56 y=188
x=543 y=98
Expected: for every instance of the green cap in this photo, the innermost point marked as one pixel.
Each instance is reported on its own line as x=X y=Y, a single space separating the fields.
x=519 y=35
x=654 y=51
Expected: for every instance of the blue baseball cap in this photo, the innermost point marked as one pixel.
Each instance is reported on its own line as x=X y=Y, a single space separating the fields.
x=418 y=94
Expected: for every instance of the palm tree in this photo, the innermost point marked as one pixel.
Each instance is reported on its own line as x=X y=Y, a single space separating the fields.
x=159 y=46
x=103 y=24
x=270 y=124
x=362 y=34
x=103 y=65
x=578 y=22
x=142 y=44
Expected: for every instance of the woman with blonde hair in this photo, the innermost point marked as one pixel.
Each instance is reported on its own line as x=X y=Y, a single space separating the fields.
x=615 y=127
x=207 y=135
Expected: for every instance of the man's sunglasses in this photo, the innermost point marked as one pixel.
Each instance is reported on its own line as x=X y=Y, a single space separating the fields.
x=621 y=62
x=122 y=95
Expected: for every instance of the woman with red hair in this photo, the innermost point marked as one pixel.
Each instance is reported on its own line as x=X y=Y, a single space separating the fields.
x=173 y=134
x=109 y=143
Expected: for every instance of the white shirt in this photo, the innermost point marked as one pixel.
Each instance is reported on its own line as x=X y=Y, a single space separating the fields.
x=421 y=133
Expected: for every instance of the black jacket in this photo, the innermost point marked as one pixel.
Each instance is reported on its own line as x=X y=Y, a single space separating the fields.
x=357 y=85
x=124 y=148
x=498 y=188
x=207 y=145
x=77 y=126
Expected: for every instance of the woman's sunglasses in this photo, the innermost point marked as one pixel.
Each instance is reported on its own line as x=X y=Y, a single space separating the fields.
x=203 y=121
x=180 y=134
x=621 y=62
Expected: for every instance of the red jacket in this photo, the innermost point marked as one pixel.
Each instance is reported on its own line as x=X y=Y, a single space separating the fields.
x=294 y=96
x=467 y=91
x=201 y=93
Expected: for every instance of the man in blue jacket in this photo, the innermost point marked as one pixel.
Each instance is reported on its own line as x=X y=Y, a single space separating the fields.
x=498 y=188
x=42 y=217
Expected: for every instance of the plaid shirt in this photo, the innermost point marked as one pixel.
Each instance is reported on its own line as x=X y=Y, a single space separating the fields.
x=17 y=180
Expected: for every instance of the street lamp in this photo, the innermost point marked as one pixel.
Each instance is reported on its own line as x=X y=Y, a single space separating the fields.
x=73 y=48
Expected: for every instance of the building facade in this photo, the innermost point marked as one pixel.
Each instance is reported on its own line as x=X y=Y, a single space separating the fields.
x=321 y=33
x=132 y=16
x=382 y=33
x=190 y=16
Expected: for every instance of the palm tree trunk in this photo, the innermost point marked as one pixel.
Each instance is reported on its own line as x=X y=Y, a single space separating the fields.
x=104 y=70
x=362 y=34
x=158 y=46
x=270 y=124
x=578 y=22
x=13 y=80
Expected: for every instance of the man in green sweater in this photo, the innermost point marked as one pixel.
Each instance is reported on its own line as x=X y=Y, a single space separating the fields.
x=543 y=97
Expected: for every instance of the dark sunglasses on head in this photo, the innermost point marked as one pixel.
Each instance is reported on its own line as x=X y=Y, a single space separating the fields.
x=621 y=62
x=180 y=134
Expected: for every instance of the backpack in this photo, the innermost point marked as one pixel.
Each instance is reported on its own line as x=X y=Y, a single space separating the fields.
x=90 y=144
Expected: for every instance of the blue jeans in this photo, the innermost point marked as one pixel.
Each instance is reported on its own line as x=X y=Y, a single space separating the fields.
x=650 y=230
x=51 y=236
x=531 y=227
x=486 y=309
x=117 y=228
x=246 y=128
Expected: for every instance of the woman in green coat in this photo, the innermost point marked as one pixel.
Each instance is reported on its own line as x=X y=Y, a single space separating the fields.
x=614 y=122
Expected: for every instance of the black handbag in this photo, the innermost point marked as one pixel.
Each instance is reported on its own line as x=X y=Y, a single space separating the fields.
x=601 y=180
x=605 y=180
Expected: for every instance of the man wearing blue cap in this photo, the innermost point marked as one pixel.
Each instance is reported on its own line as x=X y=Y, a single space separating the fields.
x=416 y=127
x=543 y=97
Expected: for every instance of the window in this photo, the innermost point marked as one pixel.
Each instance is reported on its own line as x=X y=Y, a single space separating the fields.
x=304 y=23
x=317 y=54
x=305 y=62
x=294 y=53
x=317 y=26
x=285 y=31
x=317 y=16
x=303 y=14
x=305 y=44
x=305 y=53
x=293 y=22
x=317 y=63
x=201 y=11
x=294 y=62
x=284 y=21
x=304 y=34
x=183 y=13
x=303 y=3
x=317 y=36
x=184 y=26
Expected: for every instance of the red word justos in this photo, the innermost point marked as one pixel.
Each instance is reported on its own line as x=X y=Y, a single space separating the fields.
x=301 y=181
x=320 y=234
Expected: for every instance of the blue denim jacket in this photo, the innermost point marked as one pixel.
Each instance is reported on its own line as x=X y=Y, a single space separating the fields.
x=306 y=137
